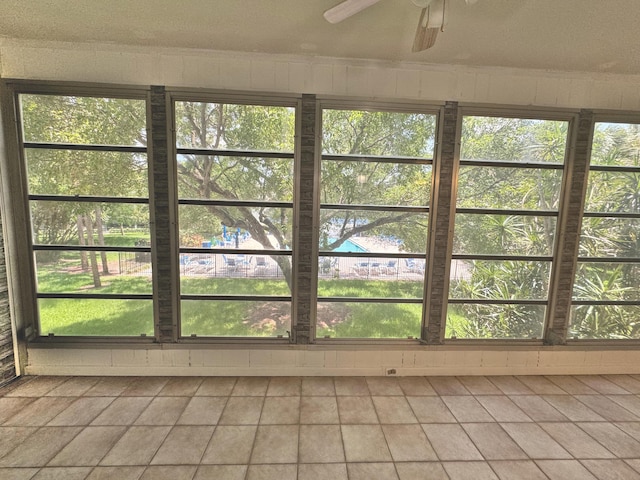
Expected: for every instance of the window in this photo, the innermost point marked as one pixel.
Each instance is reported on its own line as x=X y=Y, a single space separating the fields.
x=375 y=188
x=235 y=171
x=86 y=160
x=509 y=186
x=606 y=291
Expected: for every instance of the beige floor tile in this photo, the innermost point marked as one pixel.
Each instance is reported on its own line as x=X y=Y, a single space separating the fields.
x=89 y=447
x=122 y=411
x=42 y=446
x=116 y=473
x=607 y=408
x=630 y=384
x=611 y=470
x=81 y=412
x=216 y=386
x=163 y=411
x=631 y=428
x=357 y=410
x=351 y=386
x=321 y=444
x=575 y=441
x=39 y=412
x=634 y=463
x=431 y=410
x=408 y=443
x=109 y=387
x=510 y=385
x=517 y=470
x=571 y=385
x=468 y=470
x=11 y=437
x=280 y=411
x=421 y=471
x=572 y=409
x=493 y=442
x=466 y=409
x=145 y=386
x=448 y=386
x=184 y=445
x=322 y=386
x=540 y=385
x=393 y=410
x=602 y=385
x=503 y=409
x=36 y=387
x=372 y=471
x=181 y=386
x=534 y=441
x=202 y=411
x=18 y=473
x=63 y=473
x=272 y=472
x=450 y=442
x=250 y=387
x=12 y=406
x=169 y=473
x=230 y=445
x=564 y=470
x=222 y=472
x=137 y=446
x=74 y=387
x=614 y=439
x=322 y=471
x=416 y=386
x=630 y=402
x=365 y=443
x=479 y=385
x=384 y=386
x=276 y=444
x=242 y=411
x=537 y=408
x=284 y=386
x=319 y=410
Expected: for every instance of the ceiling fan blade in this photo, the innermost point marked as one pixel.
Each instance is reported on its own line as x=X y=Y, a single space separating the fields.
x=346 y=9
x=425 y=35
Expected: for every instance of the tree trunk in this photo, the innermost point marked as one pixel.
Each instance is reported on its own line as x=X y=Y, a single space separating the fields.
x=103 y=254
x=92 y=255
x=83 y=255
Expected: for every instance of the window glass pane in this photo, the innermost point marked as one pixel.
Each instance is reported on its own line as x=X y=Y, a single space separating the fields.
x=235 y=178
x=607 y=281
x=368 y=320
x=235 y=318
x=499 y=280
x=503 y=234
x=226 y=274
x=374 y=183
x=388 y=134
x=68 y=172
x=93 y=272
x=83 y=120
x=611 y=322
x=381 y=232
x=613 y=192
x=513 y=188
x=616 y=144
x=92 y=317
x=513 y=139
x=234 y=127
x=474 y=320
x=610 y=237
x=259 y=228
x=70 y=223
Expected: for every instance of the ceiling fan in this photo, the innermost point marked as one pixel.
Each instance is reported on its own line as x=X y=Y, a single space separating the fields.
x=433 y=18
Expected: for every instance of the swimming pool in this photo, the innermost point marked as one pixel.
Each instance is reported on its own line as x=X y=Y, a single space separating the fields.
x=348 y=246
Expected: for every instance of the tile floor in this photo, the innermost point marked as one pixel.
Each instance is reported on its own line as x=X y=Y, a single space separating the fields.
x=316 y=428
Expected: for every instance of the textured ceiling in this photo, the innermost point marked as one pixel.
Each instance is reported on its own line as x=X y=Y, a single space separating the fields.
x=564 y=35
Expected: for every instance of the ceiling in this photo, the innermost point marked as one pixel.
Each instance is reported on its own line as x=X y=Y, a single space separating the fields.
x=563 y=35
